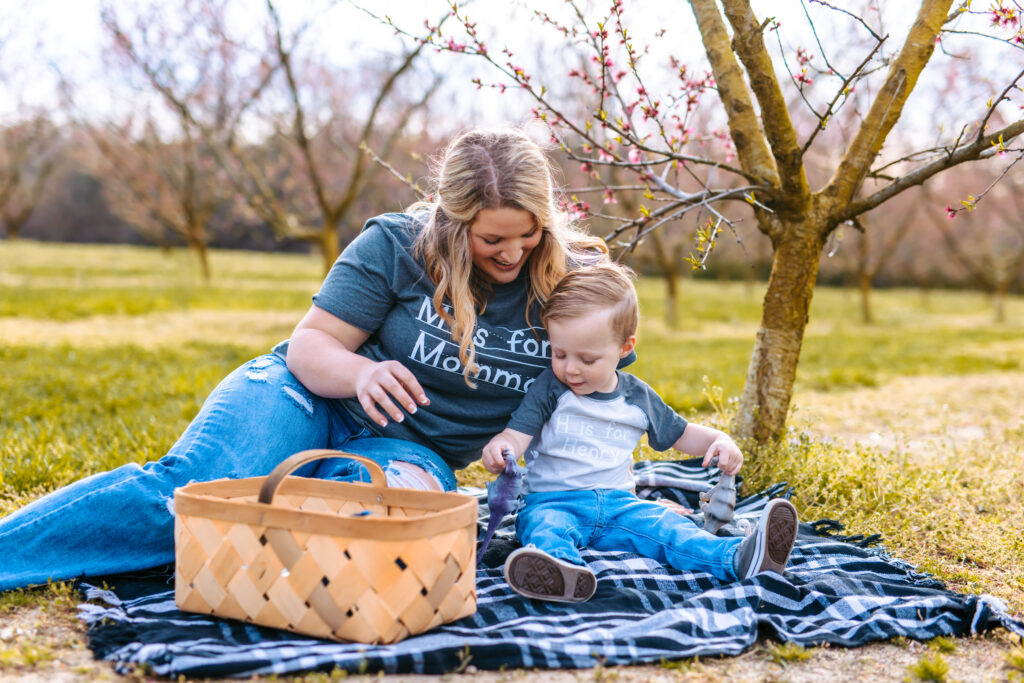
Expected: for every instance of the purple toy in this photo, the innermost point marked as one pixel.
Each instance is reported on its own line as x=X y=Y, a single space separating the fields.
x=502 y=495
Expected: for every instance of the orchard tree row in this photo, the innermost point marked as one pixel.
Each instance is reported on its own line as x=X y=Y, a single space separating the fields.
x=880 y=141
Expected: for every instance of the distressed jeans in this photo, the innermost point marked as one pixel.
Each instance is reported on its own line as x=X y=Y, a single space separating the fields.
x=562 y=522
x=123 y=520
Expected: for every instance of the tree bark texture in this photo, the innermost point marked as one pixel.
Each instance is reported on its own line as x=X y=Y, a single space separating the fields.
x=764 y=404
x=797 y=219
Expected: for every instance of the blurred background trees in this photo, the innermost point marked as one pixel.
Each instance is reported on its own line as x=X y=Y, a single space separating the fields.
x=798 y=144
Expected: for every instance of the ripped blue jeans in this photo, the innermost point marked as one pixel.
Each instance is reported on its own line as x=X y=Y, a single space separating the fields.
x=123 y=520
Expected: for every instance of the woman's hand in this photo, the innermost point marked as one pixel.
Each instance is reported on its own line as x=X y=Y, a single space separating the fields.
x=388 y=385
x=322 y=355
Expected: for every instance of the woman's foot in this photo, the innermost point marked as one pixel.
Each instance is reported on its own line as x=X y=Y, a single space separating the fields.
x=533 y=573
x=768 y=548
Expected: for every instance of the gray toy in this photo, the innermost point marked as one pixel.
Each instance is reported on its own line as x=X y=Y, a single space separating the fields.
x=719 y=503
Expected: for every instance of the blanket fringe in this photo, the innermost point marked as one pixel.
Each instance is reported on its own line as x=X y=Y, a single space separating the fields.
x=830 y=528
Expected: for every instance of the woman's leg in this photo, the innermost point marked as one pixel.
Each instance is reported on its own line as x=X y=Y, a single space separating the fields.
x=399 y=459
x=123 y=519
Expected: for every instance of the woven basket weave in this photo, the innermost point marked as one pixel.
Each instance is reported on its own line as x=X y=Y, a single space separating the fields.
x=344 y=561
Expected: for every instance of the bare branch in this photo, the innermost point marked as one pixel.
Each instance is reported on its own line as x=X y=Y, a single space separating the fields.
x=978 y=149
x=995 y=103
x=744 y=126
x=888 y=105
x=840 y=93
x=748 y=42
x=852 y=15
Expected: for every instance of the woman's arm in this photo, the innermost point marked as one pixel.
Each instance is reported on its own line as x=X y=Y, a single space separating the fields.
x=321 y=354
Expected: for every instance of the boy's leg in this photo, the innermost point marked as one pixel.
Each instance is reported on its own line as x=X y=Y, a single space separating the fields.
x=652 y=530
x=768 y=547
x=552 y=528
x=123 y=520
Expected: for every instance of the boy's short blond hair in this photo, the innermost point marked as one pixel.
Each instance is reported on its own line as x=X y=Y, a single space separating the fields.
x=603 y=286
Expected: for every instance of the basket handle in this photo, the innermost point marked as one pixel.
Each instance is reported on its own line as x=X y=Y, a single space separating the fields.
x=293 y=462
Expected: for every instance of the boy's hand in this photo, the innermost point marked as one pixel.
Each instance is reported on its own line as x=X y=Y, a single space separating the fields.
x=730 y=459
x=493 y=457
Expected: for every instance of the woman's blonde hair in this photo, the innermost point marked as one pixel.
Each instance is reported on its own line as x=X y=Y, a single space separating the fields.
x=493 y=169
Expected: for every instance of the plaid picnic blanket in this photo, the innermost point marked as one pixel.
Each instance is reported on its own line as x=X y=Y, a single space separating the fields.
x=843 y=590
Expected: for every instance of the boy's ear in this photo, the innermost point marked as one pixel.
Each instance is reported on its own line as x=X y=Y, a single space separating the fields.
x=627 y=346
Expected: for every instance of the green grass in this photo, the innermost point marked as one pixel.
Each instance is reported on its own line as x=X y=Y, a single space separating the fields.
x=931 y=667
x=71 y=405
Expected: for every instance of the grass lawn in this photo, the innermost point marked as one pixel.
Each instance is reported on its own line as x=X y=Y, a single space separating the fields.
x=912 y=427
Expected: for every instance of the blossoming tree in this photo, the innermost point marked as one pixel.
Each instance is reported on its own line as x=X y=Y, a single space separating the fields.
x=840 y=65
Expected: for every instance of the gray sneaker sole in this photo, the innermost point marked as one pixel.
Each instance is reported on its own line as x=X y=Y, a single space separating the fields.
x=535 y=574
x=775 y=535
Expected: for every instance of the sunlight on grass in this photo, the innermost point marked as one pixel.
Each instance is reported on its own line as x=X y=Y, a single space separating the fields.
x=107 y=352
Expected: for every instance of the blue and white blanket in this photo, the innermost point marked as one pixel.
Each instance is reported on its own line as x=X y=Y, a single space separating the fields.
x=836 y=590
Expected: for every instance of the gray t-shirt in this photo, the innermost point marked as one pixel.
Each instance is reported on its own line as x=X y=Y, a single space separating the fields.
x=587 y=442
x=379 y=286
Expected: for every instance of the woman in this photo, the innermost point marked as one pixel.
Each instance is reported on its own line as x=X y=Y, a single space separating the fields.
x=422 y=339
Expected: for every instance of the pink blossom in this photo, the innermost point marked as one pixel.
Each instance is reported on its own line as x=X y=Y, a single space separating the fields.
x=950 y=212
x=455 y=47
x=609 y=197
x=634 y=156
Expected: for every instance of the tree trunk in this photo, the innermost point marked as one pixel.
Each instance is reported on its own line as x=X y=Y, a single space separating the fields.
x=865 y=298
x=667 y=264
x=198 y=247
x=329 y=245
x=864 y=276
x=764 y=404
x=999 y=299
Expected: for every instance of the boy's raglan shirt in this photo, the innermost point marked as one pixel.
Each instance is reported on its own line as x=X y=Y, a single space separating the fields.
x=378 y=284
x=587 y=442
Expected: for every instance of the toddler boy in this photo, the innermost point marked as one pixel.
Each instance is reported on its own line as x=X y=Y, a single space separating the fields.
x=579 y=424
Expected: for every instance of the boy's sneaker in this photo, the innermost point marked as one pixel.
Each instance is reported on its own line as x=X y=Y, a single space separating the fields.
x=535 y=574
x=768 y=548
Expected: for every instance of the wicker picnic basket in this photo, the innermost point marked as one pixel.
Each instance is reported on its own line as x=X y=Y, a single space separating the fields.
x=345 y=561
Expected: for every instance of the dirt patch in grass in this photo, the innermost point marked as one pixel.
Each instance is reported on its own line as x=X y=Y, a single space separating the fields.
x=251 y=328
x=921 y=415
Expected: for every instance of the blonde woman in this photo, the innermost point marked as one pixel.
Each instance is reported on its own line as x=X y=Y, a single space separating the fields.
x=422 y=340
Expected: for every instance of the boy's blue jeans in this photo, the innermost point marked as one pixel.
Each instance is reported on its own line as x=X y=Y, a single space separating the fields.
x=123 y=520
x=562 y=522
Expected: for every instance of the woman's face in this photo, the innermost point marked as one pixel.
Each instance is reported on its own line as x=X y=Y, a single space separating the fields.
x=501 y=240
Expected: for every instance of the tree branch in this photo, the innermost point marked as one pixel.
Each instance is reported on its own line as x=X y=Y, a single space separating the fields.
x=744 y=126
x=995 y=103
x=888 y=105
x=976 y=150
x=748 y=43
x=355 y=179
